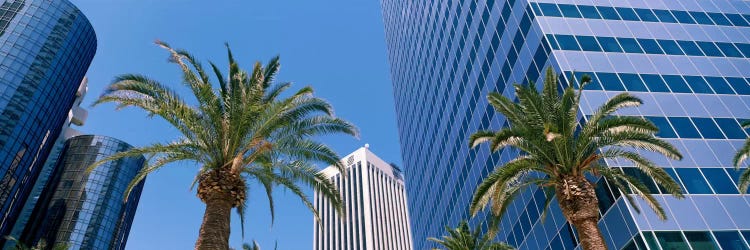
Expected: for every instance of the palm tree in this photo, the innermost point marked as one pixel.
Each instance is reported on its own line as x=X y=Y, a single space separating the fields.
x=39 y=246
x=557 y=157
x=247 y=130
x=462 y=238
x=740 y=157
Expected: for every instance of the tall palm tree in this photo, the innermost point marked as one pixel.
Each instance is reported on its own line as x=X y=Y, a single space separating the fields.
x=245 y=130
x=557 y=157
x=463 y=238
x=740 y=157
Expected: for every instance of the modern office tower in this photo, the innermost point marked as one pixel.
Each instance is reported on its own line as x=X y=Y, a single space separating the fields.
x=45 y=49
x=374 y=199
x=87 y=210
x=687 y=59
x=76 y=116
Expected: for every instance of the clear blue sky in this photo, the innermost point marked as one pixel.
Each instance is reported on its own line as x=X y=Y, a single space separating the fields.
x=337 y=47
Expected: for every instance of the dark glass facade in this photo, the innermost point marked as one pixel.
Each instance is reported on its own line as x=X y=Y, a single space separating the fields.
x=686 y=59
x=45 y=49
x=87 y=211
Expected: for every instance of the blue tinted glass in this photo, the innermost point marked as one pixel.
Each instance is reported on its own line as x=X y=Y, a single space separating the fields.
x=701 y=240
x=589 y=12
x=569 y=10
x=719 y=85
x=693 y=180
x=744 y=48
x=627 y=14
x=646 y=15
x=654 y=83
x=719 y=19
x=709 y=48
x=665 y=16
x=730 y=240
x=567 y=42
x=731 y=128
x=671 y=240
x=608 y=12
x=684 y=127
x=549 y=9
x=719 y=180
x=676 y=84
x=729 y=49
x=739 y=85
x=629 y=45
x=588 y=43
x=650 y=46
x=701 y=18
x=593 y=85
x=609 y=44
x=690 y=48
x=645 y=179
x=673 y=174
x=610 y=81
x=698 y=84
x=665 y=130
x=670 y=47
x=682 y=16
x=550 y=38
x=632 y=82
x=708 y=128
x=737 y=20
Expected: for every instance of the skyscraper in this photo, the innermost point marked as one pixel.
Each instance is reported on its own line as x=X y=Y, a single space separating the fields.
x=45 y=49
x=686 y=59
x=87 y=210
x=374 y=203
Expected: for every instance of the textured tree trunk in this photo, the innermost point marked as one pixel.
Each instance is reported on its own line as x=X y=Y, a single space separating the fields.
x=577 y=199
x=214 y=232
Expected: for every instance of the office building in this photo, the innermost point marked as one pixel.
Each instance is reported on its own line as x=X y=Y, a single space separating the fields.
x=45 y=49
x=375 y=207
x=87 y=210
x=687 y=59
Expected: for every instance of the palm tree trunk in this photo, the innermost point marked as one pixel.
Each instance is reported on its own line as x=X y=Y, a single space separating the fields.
x=577 y=199
x=214 y=233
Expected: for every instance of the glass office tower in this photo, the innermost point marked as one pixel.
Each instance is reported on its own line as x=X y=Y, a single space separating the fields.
x=87 y=210
x=687 y=59
x=45 y=49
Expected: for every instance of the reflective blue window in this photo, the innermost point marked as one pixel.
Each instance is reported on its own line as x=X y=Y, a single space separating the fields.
x=665 y=130
x=719 y=19
x=569 y=11
x=708 y=128
x=690 y=48
x=588 y=43
x=729 y=49
x=744 y=48
x=701 y=240
x=608 y=12
x=702 y=18
x=567 y=42
x=629 y=45
x=673 y=174
x=670 y=47
x=694 y=181
x=655 y=83
x=719 y=85
x=645 y=179
x=682 y=16
x=609 y=44
x=549 y=9
x=610 y=81
x=627 y=14
x=632 y=82
x=671 y=240
x=737 y=19
x=646 y=15
x=684 y=127
x=719 y=180
x=676 y=83
x=665 y=16
x=698 y=84
x=731 y=128
x=589 y=12
x=730 y=240
x=739 y=85
x=593 y=85
x=650 y=46
x=709 y=48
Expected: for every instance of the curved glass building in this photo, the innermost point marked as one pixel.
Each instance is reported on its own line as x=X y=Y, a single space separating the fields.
x=45 y=49
x=687 y=59
x=87 y=211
